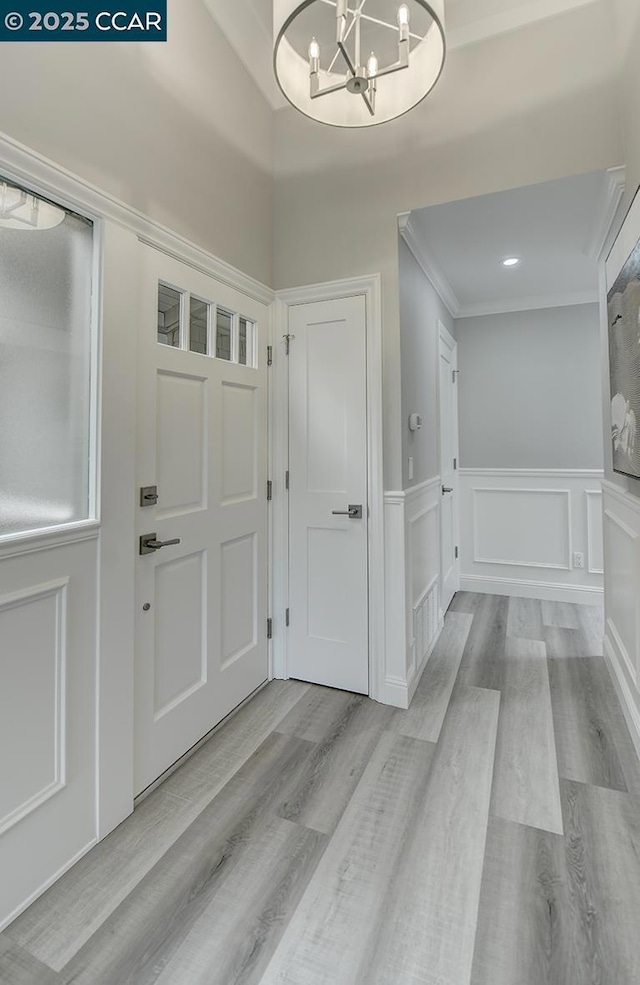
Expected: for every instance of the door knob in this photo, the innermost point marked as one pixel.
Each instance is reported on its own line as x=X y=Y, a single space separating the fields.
x=149 y=544
x=354 y=512
x=446 y=489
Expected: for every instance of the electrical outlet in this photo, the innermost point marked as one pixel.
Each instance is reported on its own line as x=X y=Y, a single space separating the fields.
x=578 y=560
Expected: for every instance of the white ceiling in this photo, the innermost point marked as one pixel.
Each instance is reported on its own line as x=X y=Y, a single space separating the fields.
x=556 y=228
x=248 y=26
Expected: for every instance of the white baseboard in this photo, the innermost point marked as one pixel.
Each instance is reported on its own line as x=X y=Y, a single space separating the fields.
x=629 y=706
x=399 y=693
x=394 y=692
x=547 y=591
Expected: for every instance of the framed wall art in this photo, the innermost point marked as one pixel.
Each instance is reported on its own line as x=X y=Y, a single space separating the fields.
x=623 y=307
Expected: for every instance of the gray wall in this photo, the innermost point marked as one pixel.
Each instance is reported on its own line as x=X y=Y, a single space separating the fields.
x=177 y=130
x=530 y=389
x=420 y=309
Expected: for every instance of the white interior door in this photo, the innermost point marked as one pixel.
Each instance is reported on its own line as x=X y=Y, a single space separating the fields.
x=448 y=422
x=328 y=635
x=202 y=440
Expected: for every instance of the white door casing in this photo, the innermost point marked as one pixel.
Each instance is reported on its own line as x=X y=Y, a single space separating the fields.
x=329 y=625
x=448 y=454
x=202 y=439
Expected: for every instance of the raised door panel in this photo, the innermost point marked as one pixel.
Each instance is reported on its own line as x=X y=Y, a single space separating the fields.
x=239 y=443
x=180 y=628
x=182 y=453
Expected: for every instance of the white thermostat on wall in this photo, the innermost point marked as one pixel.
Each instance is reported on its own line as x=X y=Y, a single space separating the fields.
x=415 y=422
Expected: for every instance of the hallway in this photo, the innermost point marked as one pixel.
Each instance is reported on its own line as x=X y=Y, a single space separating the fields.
x=489 y=835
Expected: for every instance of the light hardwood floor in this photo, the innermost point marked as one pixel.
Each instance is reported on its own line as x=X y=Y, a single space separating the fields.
x=488 y=836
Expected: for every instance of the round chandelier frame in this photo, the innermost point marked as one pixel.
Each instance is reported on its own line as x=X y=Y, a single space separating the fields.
x=369 y=93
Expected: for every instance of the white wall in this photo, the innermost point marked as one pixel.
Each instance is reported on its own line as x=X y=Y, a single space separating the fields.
x=420 y=310
x=529 y=389
x=179 y=131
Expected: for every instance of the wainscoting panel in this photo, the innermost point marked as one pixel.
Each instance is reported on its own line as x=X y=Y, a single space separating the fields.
x=532 y=533
x=526 y=528
x=422 y=540
x=413 y=610
x=48 y=602
x=622 y=598
x=595 y=543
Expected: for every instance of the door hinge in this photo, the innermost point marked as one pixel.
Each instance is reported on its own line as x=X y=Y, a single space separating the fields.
x=287 y=616
x=269 y=490
x=269 y=355
x=457 y=553
x=453 y=375
x=455 y=465
x=269 y=629
x=286 y=480
x=287 y=343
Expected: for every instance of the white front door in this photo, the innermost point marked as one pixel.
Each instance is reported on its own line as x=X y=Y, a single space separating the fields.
x=202 y=440
x=328 y=634
x=448 y=427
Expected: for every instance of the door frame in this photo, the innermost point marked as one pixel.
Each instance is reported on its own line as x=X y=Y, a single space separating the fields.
x=370 y=288
x=446 y=338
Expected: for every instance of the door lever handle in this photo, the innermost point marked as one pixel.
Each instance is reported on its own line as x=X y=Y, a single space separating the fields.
x=354 y=512
x=446 y=489
x=149 y=544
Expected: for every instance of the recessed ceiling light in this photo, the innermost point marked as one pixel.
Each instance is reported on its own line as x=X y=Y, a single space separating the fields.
x=511 y=262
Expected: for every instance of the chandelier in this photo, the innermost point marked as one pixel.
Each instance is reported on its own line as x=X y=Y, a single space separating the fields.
x=357 y=63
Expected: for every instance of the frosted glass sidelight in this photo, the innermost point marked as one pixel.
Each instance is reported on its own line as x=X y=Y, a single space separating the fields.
x=45 y=375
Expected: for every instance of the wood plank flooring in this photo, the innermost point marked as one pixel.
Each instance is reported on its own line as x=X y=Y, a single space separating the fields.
x=488 y=836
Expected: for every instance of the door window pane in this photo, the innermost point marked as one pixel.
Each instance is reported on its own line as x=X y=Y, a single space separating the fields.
x=169 y=311
x=247 y=343
x=199 y=326
x=224 y=327
x=46 y=258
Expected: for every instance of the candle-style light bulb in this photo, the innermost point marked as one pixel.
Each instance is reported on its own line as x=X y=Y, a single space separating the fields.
x=372 y=66
x=403 y=28
x=314 y=49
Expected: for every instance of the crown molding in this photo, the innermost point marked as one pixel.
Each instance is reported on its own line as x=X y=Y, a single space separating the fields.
x=428 y=265
x=448 y=297
x=614 y=190
x=535 y=303
x=27 y=167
